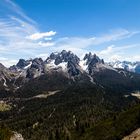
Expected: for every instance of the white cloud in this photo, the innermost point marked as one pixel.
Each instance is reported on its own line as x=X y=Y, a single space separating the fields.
x=136 y=57
x=43 y=56
x=115 y=57
x=15 y=26
x=37 y=36
x=7 y=62
x=48 y=38
x=115 y=35
x=83 y=43
x=108 y=50
x=20 y=37
x=132 y=58
x=46 y=44
x=114 y=53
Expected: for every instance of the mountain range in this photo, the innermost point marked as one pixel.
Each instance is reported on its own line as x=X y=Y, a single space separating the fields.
x=64 y=62
x=129 y=66
x=66 y=98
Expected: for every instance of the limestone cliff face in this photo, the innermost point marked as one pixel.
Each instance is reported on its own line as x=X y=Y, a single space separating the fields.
x=135 y=135
x=16 y=136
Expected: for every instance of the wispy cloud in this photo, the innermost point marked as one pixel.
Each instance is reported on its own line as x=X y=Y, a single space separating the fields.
x=15 y=8
x=15 y=27
x=42 y=55
x=114 y=53
x=21 y=37
x=113 y=49
x=115 y=35
x=84 y=42
x=37 y=36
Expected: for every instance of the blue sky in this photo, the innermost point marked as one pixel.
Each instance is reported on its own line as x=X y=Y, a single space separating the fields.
x=35 y=28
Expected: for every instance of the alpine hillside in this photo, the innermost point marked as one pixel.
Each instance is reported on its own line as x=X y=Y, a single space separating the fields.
x=66 y=98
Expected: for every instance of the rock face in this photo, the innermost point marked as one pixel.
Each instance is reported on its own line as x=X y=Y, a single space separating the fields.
x=73 y=68
x=66 y=60
x=16 y=136
x=36 y=68
x=133 y=136
x=63 y=56
x=6 y=77
x=92 y=58
x=92 y=61
x=23 y=63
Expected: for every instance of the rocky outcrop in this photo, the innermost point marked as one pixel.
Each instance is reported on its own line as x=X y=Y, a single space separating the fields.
x=17 y=136
x=135 y=135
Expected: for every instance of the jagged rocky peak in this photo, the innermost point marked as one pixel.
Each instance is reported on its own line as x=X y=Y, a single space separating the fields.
x=37 y=63
x=64 y=56
x=23 y=63
x=88 y=56
x=65 y=61
x=92 y=59
x=36 y=68
x=91 y=62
